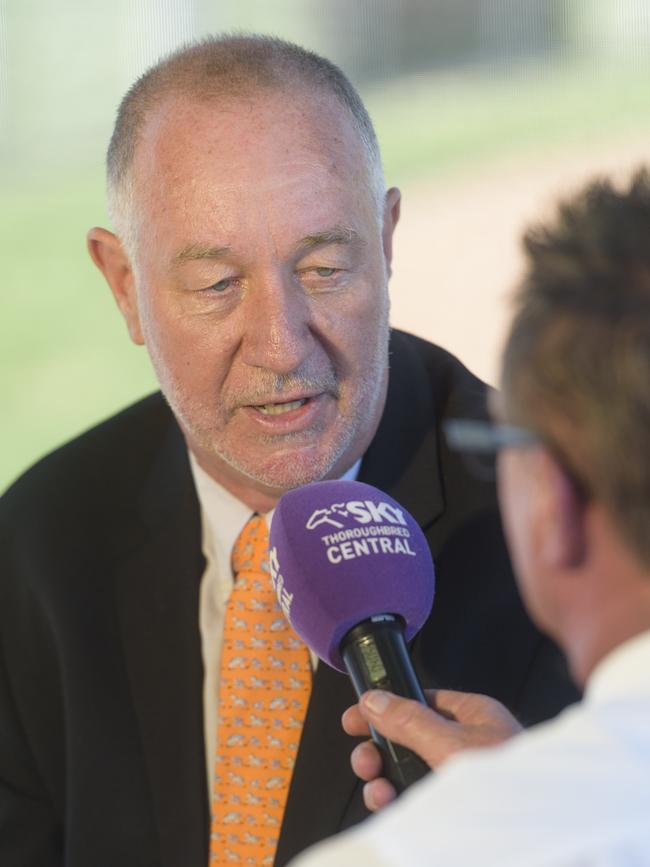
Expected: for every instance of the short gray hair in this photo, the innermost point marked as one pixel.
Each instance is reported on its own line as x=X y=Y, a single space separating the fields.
x=225 y=66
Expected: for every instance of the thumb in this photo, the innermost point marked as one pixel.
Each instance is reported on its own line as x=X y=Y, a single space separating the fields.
x=406 y=722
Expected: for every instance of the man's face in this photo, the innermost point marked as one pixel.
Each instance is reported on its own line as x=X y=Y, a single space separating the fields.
x=261 y=284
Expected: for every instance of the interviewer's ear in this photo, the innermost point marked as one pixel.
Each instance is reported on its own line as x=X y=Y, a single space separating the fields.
x=560 y=526
x=108 y=254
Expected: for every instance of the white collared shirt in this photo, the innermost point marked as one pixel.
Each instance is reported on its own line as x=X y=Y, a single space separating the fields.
x=573 y=792
x=223 y=517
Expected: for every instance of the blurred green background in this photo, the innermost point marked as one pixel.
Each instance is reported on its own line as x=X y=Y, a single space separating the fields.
x=451 y=85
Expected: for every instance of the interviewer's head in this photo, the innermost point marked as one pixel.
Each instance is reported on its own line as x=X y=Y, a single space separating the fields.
x=576 y=371
x=251 y=256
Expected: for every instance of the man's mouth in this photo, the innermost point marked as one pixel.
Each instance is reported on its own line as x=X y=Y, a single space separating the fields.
x=280 y=408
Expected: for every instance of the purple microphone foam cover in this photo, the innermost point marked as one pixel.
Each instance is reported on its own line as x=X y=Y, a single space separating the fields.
x=341 y=552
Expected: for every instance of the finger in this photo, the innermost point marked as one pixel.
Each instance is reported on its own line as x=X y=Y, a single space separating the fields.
x=474 y=709
x=353 y=722
x=454 y=703
x=378 y=794
x=366 y=761
x=405 y=722
x=443 y=701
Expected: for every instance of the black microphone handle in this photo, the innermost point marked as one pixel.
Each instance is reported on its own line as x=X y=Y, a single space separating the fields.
x=376 y=657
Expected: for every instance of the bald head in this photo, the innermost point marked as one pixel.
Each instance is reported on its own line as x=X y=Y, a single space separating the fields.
x=225 y=70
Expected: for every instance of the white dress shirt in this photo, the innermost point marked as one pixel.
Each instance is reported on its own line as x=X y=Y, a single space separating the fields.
x=223 y=517
x=573 y=792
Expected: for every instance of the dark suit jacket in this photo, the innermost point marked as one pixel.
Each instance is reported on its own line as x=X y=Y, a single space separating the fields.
x=101 y=733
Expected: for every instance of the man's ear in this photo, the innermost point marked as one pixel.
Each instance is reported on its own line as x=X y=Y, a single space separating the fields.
x=108 y=254
x=392 y=204
x=561 y=537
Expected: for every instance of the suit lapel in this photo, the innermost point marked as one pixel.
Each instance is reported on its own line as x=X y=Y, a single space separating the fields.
x=158 y=602
x=403 y=456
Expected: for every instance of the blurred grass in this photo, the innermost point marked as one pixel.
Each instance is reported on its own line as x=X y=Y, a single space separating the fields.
x=430 y=126
x=66 y=360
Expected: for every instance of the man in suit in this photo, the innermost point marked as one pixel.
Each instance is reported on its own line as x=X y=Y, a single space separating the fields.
x=251 y=256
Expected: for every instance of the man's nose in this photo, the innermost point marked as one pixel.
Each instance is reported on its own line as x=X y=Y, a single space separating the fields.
x=278 y=328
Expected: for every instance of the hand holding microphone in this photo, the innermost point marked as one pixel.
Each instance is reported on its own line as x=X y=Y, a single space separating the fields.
x=354 y=576
x=453 y=721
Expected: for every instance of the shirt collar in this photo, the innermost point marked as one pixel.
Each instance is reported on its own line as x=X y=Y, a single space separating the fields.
x=223 y=514
x=623 y=671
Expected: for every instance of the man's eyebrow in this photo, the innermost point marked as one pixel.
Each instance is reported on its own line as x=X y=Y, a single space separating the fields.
x=195 y=252
x=335 y=235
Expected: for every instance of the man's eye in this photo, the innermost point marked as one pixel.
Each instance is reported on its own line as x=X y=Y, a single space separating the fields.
x=321 y=278
x=219 y=286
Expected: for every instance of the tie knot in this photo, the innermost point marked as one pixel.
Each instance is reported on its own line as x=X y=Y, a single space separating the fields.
x=250 y=551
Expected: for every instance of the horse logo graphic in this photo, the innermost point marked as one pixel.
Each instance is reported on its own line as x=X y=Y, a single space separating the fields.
x=324 y=516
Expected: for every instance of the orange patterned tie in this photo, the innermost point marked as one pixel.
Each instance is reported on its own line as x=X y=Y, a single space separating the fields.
x=264 y=690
